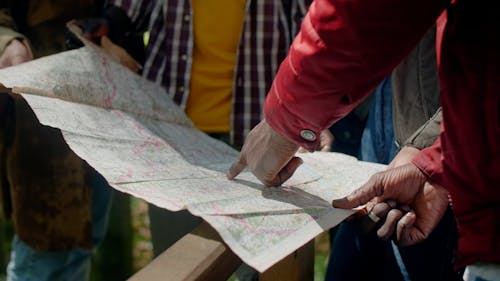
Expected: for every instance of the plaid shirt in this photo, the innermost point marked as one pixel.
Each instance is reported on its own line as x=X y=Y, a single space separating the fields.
x=269 y=26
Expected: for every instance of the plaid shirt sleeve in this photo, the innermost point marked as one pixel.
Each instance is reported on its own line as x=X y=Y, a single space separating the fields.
x=137 y=10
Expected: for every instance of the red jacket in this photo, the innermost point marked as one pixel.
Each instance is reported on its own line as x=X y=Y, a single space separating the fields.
x=346 y=47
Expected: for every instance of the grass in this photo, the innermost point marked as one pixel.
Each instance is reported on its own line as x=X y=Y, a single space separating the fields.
x=142 y=248
x=322 y=251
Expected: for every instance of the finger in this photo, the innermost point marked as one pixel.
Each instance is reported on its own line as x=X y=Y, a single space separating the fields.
x=369 y=206
x=93 y=28
x=387 y=229
x=132 y=66
x=326 y=140
x=326 y=148
x=286 y=172
x=381 y=209
x=360 y=213
x=302 y=150
x=362 y=195
x=406 y=233
x=236 y=168
x=369 y=222
x=377 y=212
x=378 y=199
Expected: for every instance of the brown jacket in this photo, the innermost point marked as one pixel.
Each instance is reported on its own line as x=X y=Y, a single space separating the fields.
x=45 y=186
x=43 y=22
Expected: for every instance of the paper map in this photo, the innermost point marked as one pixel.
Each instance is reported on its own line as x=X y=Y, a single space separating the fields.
x=130 y=131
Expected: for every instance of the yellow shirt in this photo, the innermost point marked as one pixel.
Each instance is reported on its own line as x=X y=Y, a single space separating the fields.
x=217 y=28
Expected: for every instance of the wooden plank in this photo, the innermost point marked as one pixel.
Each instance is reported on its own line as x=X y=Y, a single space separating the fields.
x=298 y=266
x=199 y=255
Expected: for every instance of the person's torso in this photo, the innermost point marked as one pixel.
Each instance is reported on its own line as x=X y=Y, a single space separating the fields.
x=470 y=75
x=217 y=28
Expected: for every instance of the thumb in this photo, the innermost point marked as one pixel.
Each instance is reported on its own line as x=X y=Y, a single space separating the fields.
x=286 y=172
x=372 y=188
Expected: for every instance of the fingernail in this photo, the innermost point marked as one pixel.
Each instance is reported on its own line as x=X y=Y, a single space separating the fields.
x=333 y=202
x=337 y=202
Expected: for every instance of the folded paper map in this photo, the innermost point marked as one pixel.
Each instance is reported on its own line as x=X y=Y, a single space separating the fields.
x=130 y=131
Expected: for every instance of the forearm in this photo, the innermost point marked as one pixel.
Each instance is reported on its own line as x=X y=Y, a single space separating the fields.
x=424 y=137
x=429 y=161
x=344 y=49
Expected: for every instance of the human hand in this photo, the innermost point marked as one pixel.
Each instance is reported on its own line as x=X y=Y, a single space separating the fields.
x=389 y=213
x=269 y=155
x=115 y=32
x=382 y=216
x=385 y=215
x=96 y=30
x=16 y=52
x=120 y=54
x=325 y=142
x=406 y=185
x=92 y=29
x=404 y=156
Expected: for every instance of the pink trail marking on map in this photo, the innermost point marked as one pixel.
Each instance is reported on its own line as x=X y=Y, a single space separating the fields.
x=253 y=229
x=128 y=175
x=138 y=149
x=107 y=101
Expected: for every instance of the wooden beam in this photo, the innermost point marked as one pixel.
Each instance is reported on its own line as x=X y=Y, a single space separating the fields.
x=298 y=266
x=199 y=255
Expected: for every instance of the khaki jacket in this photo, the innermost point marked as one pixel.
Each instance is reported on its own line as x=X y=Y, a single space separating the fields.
x=415 y=98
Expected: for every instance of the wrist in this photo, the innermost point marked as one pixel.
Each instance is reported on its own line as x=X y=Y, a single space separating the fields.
x=280 y=141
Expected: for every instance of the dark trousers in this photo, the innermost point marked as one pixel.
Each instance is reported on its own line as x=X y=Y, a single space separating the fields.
x=357 y=255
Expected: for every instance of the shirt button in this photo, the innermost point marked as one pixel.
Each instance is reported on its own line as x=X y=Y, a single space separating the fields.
x=184 y=57
x=308 y=135
x=187 y=18
x=181 y=89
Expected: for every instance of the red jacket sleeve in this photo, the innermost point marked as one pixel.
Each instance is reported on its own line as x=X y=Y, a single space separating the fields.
x=429 y=161
x=344 y=49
